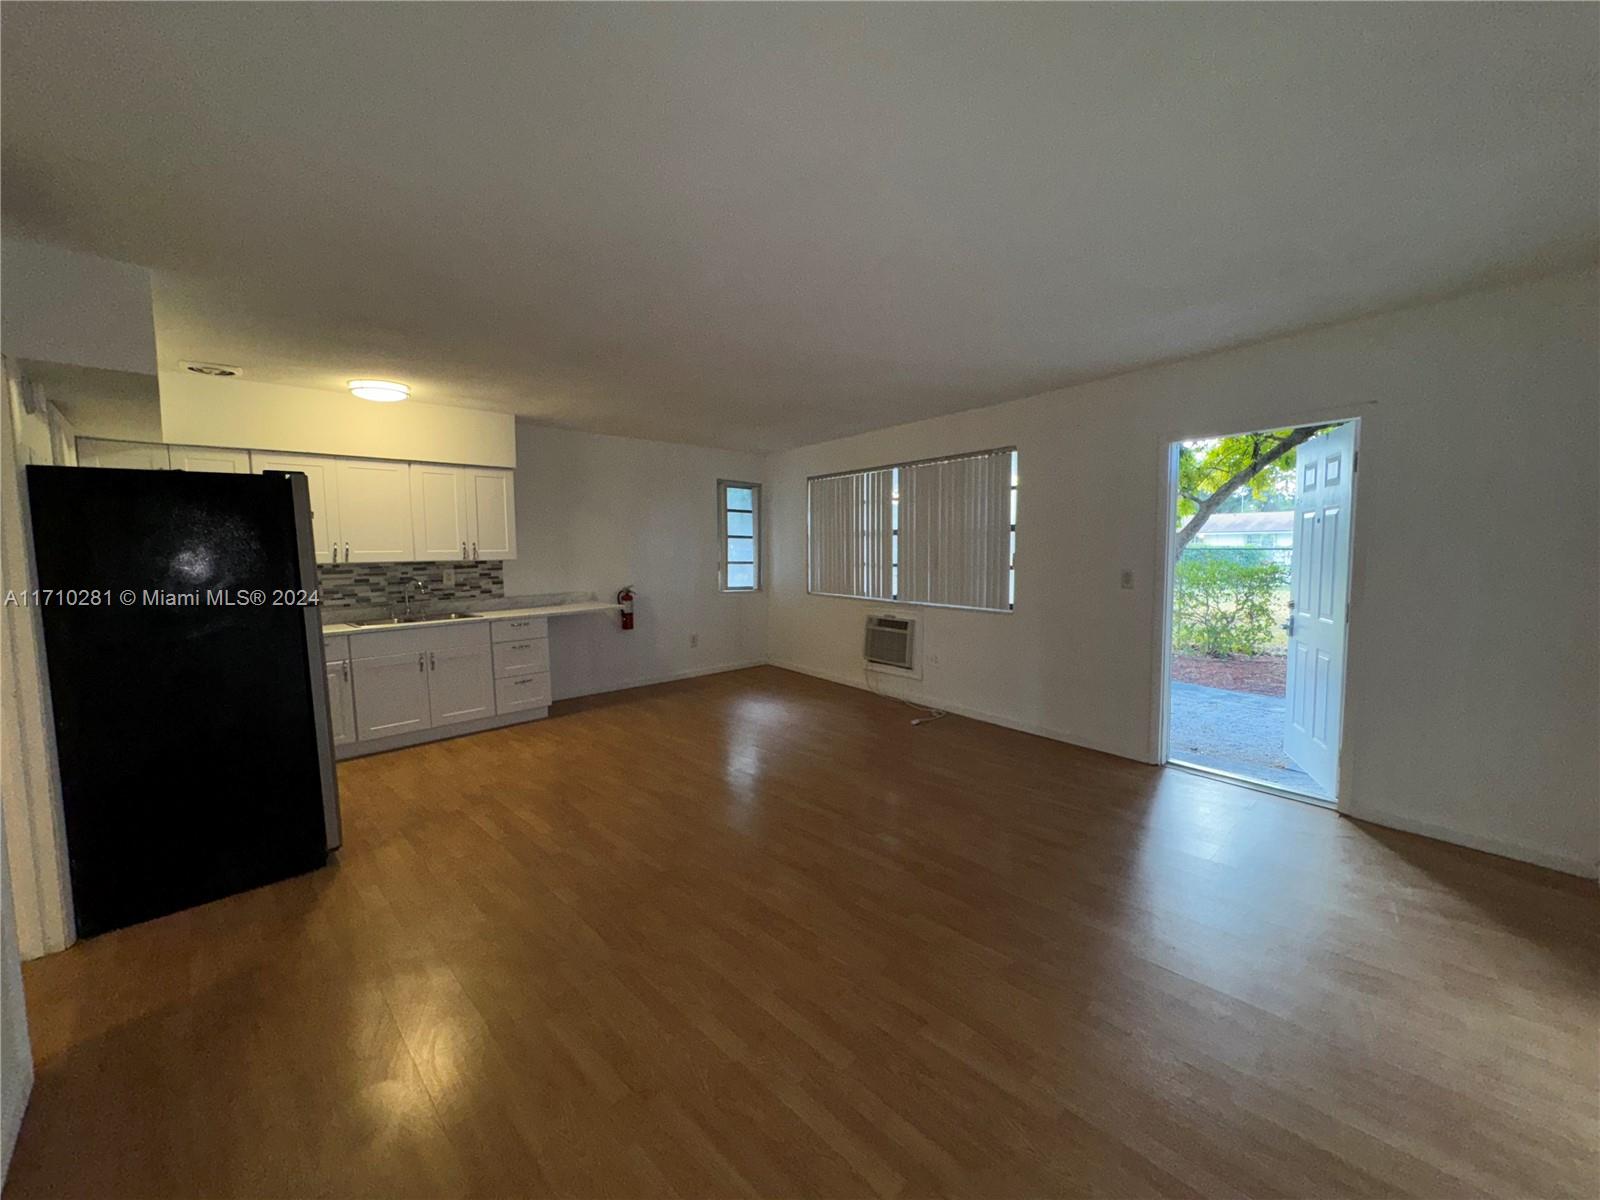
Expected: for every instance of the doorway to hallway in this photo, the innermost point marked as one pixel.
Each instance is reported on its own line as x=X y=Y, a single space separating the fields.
x=1258 y=614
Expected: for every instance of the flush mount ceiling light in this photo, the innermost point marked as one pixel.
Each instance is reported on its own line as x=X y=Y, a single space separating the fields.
x=384 y=391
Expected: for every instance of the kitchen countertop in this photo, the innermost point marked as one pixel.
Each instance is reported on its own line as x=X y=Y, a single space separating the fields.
x=333 y=629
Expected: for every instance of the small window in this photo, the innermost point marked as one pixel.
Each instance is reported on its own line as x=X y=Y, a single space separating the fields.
x=739 y=534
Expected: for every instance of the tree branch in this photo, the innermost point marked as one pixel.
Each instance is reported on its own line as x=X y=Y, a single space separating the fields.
x=1259 y=463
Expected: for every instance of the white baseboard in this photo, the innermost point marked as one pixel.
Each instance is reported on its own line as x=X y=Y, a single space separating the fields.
x=962 y=710
x=1539 y=856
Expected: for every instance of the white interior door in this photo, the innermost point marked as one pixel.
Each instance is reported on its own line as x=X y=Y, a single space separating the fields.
x=374 y=510
x=492 y=503
x=1319 y=588
x=439 y=513
x=321 y=487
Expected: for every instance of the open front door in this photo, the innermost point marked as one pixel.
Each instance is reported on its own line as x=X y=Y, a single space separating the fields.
x=1319 y=587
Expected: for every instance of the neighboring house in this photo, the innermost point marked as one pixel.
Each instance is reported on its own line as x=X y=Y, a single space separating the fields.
x=1257 y=530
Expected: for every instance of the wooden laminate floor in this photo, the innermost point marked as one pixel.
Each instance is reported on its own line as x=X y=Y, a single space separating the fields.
x=754 y=934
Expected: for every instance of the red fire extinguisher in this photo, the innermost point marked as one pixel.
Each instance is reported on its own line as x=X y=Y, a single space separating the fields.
x=625 y=598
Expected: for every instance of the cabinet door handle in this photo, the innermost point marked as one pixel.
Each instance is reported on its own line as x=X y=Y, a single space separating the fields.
x=345 y=668
x=474 y=551
x=463 y=552
x=420 y=657
x=432 y=666
x=347 y=552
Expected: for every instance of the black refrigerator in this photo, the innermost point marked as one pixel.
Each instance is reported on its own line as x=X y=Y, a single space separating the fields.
x=187 y=683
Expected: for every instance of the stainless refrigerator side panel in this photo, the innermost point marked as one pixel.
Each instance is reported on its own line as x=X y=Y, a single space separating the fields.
x=314 y=654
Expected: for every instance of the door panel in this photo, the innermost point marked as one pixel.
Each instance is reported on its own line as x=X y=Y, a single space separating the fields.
x=439 y=524
x=209 y=458
x=323 y=489
x=1319 y=583
x=341 y=703
x=493 y=520
x=391 y=694
x=460 y=684
x=374 y=511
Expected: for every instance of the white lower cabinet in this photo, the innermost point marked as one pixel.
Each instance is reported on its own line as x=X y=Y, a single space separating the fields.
x=411 y=680
x=341 y=703
x=523 y=691
x=524 y=657
x=391 y=694
x=521 y=664
x=461 y=684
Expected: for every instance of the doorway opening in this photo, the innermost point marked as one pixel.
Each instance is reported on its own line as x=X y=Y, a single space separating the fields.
x=1257 y=621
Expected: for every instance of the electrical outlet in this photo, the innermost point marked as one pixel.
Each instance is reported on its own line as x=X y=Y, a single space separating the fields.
x=449 y=577
x=694 y=640
x=1127 y=580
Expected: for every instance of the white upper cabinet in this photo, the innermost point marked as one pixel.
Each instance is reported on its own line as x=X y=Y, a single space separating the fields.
x=363 y=510
x=462 y=514
x=439 y=518
x=323 y=488
x=491 y=512
x=130 y=456
x=209 y=458
x=374 y=511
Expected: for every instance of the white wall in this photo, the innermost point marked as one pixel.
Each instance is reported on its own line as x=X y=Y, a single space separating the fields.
x=200 y=410
x=38 y=900
x=101 y=404
x=1473 y=670
x=16 y=1051
x=67 y=307
x=595 y=513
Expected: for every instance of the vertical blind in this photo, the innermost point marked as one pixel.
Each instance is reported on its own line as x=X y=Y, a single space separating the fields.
x=851 y=524
x=950 y=524
x=955 y=531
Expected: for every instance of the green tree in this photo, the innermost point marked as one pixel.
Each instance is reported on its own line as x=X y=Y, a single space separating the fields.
x=1210 y=472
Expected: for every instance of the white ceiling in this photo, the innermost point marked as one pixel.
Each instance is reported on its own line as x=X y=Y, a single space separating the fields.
x=761 y=226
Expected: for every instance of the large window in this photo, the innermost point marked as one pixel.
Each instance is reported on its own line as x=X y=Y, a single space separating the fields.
x=942 y=531
x=739 y=533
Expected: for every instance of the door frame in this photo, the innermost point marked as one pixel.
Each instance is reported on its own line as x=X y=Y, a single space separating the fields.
x=1166 y=540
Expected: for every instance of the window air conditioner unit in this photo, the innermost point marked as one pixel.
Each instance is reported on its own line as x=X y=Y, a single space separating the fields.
x=890 y=643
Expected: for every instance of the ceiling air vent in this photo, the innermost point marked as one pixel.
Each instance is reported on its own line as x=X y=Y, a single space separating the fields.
x=215 y=370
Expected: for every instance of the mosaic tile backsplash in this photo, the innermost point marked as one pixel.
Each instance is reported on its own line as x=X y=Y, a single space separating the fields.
x=375 y=585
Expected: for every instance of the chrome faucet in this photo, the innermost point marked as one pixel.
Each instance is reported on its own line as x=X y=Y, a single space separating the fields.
x=415 y=585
